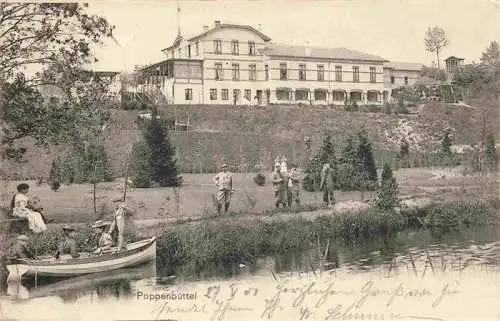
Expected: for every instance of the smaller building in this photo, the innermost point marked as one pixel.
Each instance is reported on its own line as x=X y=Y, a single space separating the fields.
x=400 y=74
x=452 y=63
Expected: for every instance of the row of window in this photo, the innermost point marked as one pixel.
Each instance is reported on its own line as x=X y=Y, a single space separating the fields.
x=219 y=75
x=321 y=73
x=224 y=93
x=393 y=80
x=235 y=48
x=283 y=94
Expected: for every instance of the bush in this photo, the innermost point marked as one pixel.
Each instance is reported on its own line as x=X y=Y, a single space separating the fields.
x=373 y=108
x=387 y=108
x=260 y=179
x=351 y=107
x=134 y=105
x=401 y=108
x=55 y=185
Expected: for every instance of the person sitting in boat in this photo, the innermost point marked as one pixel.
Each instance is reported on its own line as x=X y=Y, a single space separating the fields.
x=68 y=244
x=19 y=250
x=105 y=241
x=22 y=207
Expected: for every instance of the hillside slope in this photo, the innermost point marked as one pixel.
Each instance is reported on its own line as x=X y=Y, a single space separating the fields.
x=239 y=135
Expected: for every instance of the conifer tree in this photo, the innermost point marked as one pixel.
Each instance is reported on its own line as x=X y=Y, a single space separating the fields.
x=163 y=162
x=446 y=144
x=365 y=159
x=326 y=154
x=141 y=165
x=387 y=195
x=348 y=176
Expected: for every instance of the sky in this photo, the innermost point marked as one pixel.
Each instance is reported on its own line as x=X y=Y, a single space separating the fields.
x=393 y=29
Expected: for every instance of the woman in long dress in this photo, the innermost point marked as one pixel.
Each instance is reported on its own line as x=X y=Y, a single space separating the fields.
x=21 y=208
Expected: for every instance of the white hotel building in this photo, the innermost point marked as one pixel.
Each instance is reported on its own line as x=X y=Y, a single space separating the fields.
x=238 y=64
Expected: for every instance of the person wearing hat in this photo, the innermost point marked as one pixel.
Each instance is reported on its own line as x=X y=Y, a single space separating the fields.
x=21 y=207
x=327 y=184
x=293 y=187
x=105 y=241
x=68 y=244
x=224 y=183
x=19 y=250
x=279 y=187
x=121 y=214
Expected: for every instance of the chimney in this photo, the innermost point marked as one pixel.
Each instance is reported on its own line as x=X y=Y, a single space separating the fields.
x=308 y=49
x=217 y=23
x=205 y=28
x=259 y=27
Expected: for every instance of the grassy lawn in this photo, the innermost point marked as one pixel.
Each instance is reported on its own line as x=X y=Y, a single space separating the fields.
x=74 y=203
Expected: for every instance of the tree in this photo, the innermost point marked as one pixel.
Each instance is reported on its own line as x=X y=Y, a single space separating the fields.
x=53 y=41
x=163 y=163
x=325 y=154
x=435 y=40
x=43 y=34
x=387 y=195
x=347 y=174
x=386 y=174
x=491 y=56
x=55 y=175
x=141 y=165
x=365 y=159
x=446 y=144
x=83 y=165
x=491 y=152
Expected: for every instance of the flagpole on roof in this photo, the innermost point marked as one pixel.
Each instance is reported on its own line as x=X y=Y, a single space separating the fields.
x=178 y=19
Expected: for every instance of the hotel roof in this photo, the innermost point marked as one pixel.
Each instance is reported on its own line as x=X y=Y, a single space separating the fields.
x=319 y=52
x=408 y=66
x=221 y=26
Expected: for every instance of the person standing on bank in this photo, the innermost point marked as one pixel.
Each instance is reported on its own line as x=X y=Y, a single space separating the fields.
x=21 y=207
x=122 y=213
x=293 y=185
x=327 y=185
x=279 y=187
x=224 y=183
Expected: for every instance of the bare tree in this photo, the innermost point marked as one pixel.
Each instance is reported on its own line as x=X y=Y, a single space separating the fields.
x=435 y=40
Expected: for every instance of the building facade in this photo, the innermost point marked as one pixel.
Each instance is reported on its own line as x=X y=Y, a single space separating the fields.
x=237 y=64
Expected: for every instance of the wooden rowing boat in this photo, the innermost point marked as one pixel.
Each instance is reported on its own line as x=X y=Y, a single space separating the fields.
x=83 y=283
x=136 y=253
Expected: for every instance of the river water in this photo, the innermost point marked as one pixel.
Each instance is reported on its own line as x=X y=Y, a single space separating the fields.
x=408 y=255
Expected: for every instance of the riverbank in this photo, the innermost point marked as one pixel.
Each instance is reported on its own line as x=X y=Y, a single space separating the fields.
x=234 y=240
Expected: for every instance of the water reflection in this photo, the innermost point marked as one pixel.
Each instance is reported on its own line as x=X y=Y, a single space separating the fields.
x=114 y=284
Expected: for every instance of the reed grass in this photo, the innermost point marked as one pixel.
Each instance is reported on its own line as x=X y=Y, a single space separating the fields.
x=228 y=243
